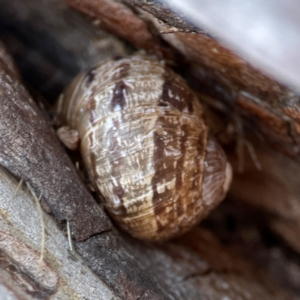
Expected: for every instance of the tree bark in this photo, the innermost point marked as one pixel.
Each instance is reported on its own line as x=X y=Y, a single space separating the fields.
x=195 y=266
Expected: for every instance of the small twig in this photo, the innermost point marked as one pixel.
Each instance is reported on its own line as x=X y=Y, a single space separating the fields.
x=253 y=155
x=241 y=142
x=43 y=237
x=69 y=236
x=18 y=187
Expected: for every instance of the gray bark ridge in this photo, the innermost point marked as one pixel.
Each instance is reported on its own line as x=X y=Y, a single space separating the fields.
x=30 y=150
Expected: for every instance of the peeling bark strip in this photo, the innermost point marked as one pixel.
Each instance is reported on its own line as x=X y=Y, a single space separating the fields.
x=119 y=19
x=163 y=12
x=22 y=261
x=30 y=150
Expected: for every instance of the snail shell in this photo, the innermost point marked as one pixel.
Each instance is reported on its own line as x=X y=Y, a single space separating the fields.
x=145 y=146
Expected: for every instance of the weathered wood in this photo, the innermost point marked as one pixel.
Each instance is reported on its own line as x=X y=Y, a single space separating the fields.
x=245 y=230
x=62 y=275
x=274 y=189
x=162 y=11
x=193 y=267
x=124 y=23
x=31 y=151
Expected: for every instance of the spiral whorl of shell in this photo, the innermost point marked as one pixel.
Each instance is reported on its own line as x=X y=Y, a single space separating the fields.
x=145 y=146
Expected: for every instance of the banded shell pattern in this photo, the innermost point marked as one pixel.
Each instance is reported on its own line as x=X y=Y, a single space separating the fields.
x=145 y=145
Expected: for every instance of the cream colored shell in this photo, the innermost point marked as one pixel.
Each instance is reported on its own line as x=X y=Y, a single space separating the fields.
x=145 y=146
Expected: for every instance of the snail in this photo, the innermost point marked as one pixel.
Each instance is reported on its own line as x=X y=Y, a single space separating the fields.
x=146 y=146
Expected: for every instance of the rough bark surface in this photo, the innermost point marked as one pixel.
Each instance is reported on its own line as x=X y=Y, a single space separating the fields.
x=246 y=231
x=31 y=151
x=195 y=266
x=63 y=275
x=164 y=13
x=274 y=189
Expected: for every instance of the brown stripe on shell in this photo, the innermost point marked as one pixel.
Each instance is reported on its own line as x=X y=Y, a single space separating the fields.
x=171 y=205
x=179 y=168
x=92 y=157
x=91 y=106
x=117 y=57
x=179 y=165
x=117 y=190
x=90 y=76
x=118 y=99
x=199 y=166
x=164 y=171
x=176 y=95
